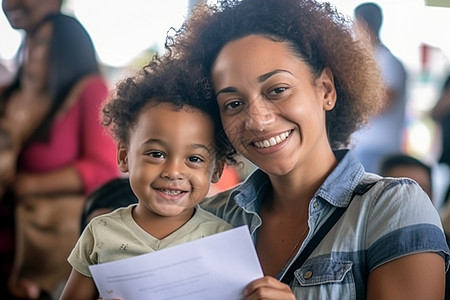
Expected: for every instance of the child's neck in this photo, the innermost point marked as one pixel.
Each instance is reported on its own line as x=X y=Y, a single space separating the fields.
x=160 y=226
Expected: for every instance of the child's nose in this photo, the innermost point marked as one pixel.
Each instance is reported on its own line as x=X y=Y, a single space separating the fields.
x=173 y=170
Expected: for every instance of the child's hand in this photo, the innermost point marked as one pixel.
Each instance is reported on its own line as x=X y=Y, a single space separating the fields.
x=267 y=288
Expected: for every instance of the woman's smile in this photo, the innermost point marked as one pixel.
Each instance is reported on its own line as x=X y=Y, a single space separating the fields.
x=272 y=141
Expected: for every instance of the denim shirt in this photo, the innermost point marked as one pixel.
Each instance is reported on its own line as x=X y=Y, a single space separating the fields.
x=392 y=219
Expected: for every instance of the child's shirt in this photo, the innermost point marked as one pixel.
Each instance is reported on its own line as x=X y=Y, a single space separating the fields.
x=116 y=235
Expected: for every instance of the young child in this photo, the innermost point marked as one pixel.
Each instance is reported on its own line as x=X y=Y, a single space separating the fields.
x=168 y=143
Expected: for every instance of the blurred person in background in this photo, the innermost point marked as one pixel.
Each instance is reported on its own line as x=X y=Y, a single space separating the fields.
x=403 y=165
x=384 y=133
x=64 y=155
x=22 y=15
x=5 y=75
x=26 y=14
x=440 y=113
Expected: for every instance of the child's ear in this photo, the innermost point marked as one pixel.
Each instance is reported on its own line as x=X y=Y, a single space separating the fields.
x=122 y=157
x=218 y=170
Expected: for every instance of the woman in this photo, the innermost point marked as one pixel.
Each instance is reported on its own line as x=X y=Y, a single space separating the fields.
x=65 y=156
x=292 y=85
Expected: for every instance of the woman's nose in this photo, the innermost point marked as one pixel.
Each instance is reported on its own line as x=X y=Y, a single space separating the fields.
x=260 y=114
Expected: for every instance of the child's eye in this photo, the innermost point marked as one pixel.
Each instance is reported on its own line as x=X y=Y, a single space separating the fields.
x=195 y=159
x=156 y=154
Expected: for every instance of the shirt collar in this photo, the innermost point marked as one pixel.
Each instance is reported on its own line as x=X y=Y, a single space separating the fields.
x=337 y=189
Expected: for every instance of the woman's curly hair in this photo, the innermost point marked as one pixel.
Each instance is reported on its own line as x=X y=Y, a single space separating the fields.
x=322 y=37
x=163 y=81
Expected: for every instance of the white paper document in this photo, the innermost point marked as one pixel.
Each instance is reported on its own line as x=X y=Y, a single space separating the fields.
x=217 y=267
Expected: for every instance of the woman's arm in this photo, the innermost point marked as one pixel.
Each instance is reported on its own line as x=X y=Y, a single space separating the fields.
x=416 y=276
x=66 y=181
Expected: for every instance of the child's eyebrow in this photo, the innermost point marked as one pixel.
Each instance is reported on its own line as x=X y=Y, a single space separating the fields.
x=201 y=146
x=193 y=146
x=155 y=141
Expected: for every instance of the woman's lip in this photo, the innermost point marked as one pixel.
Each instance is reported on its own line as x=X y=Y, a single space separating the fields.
x=272 y=140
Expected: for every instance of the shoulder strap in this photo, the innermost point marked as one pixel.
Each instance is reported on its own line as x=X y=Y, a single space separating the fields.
x=323 y=230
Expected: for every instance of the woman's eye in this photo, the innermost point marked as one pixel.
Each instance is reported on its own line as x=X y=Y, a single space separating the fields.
x=233 y=104
x=278 y=90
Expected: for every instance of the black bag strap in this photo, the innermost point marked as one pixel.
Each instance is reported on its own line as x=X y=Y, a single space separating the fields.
x=361 y=189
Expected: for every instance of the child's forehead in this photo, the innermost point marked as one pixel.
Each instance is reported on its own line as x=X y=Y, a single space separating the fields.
x=174 y=105
x=180 y=111
x=173 y=125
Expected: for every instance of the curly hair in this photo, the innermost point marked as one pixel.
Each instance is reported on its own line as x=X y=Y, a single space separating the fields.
x=322 y=38
x=163 y=81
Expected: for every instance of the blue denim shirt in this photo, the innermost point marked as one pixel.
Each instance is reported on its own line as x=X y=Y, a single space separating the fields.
x=392 y=219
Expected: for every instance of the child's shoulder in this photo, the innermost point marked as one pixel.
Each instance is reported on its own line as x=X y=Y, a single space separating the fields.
x=206 y=217
x=116 y=215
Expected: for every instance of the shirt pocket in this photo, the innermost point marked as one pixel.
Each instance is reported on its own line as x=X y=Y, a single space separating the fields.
x=324 y=271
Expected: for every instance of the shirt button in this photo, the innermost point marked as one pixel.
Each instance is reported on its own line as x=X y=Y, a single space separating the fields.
x=307 y=275
x=315 y=204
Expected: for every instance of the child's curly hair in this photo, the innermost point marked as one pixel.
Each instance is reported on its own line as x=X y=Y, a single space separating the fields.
x=322 y=38
x=163 y=80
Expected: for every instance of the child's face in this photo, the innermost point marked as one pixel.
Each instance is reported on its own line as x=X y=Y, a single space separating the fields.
x=170 y=159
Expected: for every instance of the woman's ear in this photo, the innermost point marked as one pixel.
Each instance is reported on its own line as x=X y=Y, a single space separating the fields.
x=122 y=157
x=326 y=84
x=218 y=170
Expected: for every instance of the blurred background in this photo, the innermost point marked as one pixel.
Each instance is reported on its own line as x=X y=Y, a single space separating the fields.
x=127 y=33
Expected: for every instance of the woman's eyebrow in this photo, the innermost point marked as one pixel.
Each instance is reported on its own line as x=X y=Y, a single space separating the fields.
x=227 y=90
x=261 y=79
x=266 y=76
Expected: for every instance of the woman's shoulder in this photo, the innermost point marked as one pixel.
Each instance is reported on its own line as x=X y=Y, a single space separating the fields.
x=400 y=200
x=402 y=188
x=93 y=80
x=92 y=84
x=218 y=202
x=90 y=89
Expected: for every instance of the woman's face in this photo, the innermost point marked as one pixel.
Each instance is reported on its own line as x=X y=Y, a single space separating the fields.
x=36 y=60
x=271 y=106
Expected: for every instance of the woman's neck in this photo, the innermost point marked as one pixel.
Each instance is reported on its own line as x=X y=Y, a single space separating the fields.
x=299 y=186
